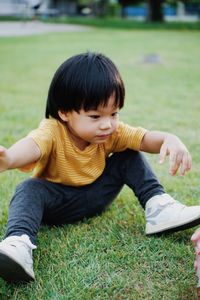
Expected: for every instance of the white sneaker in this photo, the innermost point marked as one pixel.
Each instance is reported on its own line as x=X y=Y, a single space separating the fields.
x=16 y=262
x=164 y=214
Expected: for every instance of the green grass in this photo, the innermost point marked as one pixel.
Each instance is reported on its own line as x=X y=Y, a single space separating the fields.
x=108 y=257
x=128 y=24
x=114 y=23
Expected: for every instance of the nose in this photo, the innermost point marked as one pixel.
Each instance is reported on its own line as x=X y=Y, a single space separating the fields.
x=105 y=124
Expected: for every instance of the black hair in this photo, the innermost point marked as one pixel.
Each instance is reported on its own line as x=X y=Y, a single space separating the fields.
x=84 y=81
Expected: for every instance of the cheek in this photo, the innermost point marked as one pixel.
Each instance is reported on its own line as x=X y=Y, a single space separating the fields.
x=115 y=124
x=78 y=124
x=85 y=128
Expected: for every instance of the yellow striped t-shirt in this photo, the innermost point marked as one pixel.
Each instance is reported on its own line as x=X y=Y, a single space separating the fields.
x=62 y=162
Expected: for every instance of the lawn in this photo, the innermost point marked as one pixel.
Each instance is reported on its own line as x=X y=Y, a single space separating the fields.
x=109 y=256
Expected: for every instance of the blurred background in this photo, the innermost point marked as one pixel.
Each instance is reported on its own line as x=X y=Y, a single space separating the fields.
x=151 y=10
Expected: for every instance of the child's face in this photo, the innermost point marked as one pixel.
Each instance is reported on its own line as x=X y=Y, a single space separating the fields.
x=93 y=126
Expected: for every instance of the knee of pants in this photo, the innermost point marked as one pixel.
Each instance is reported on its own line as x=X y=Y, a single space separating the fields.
x=29 y=190
x=28 y=197
x=128 y=158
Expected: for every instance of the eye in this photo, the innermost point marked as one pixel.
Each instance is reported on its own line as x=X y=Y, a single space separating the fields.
x=95 y=117
x=115 y=114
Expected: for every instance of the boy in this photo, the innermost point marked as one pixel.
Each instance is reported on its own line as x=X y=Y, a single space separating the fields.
x=81 y=156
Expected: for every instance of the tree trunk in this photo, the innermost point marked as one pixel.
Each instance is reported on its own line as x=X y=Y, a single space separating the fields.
x=155 y=13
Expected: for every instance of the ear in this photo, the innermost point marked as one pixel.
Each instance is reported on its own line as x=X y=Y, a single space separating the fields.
x=63 y=115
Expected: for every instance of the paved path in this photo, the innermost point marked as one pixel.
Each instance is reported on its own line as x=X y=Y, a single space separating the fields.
x=35 y=27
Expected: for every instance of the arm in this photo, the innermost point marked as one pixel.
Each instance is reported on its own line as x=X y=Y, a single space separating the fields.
x=23 y=152
x=167 y=144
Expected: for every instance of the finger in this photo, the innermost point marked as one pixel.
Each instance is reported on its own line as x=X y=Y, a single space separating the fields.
x=187 y=161
x=197 y=248
x=196 y=236
x=198 y=245
x=195 y=264
x=185 y=164
x=197 y=260
x=174 y=163
x=163 y=154
x=183 y=160
x=197 y=251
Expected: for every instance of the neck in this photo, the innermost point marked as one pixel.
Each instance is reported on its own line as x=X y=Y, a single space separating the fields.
x=79 y=143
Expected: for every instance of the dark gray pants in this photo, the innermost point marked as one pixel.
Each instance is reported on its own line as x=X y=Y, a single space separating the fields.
x=38 y=200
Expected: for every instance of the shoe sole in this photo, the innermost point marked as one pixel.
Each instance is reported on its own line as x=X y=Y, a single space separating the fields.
x=11 y=271
x=174 y=228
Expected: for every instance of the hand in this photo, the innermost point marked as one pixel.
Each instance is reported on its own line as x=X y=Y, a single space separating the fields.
x=196 y=241
x=4 y=159
x=178 y=155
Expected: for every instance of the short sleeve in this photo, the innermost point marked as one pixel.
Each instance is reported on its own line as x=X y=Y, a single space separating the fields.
x=44 y=139
x=127 y=137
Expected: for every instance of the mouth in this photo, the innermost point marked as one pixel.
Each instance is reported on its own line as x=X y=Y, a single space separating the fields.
x=103 y=136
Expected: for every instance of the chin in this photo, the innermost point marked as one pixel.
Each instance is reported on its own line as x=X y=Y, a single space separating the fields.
x=100 y=142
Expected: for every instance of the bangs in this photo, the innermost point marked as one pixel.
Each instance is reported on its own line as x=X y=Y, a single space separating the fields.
x=85 y=81
x=93 y=83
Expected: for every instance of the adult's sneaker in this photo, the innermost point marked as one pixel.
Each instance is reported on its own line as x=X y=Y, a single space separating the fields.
x=164 y=215
x=16 y=263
